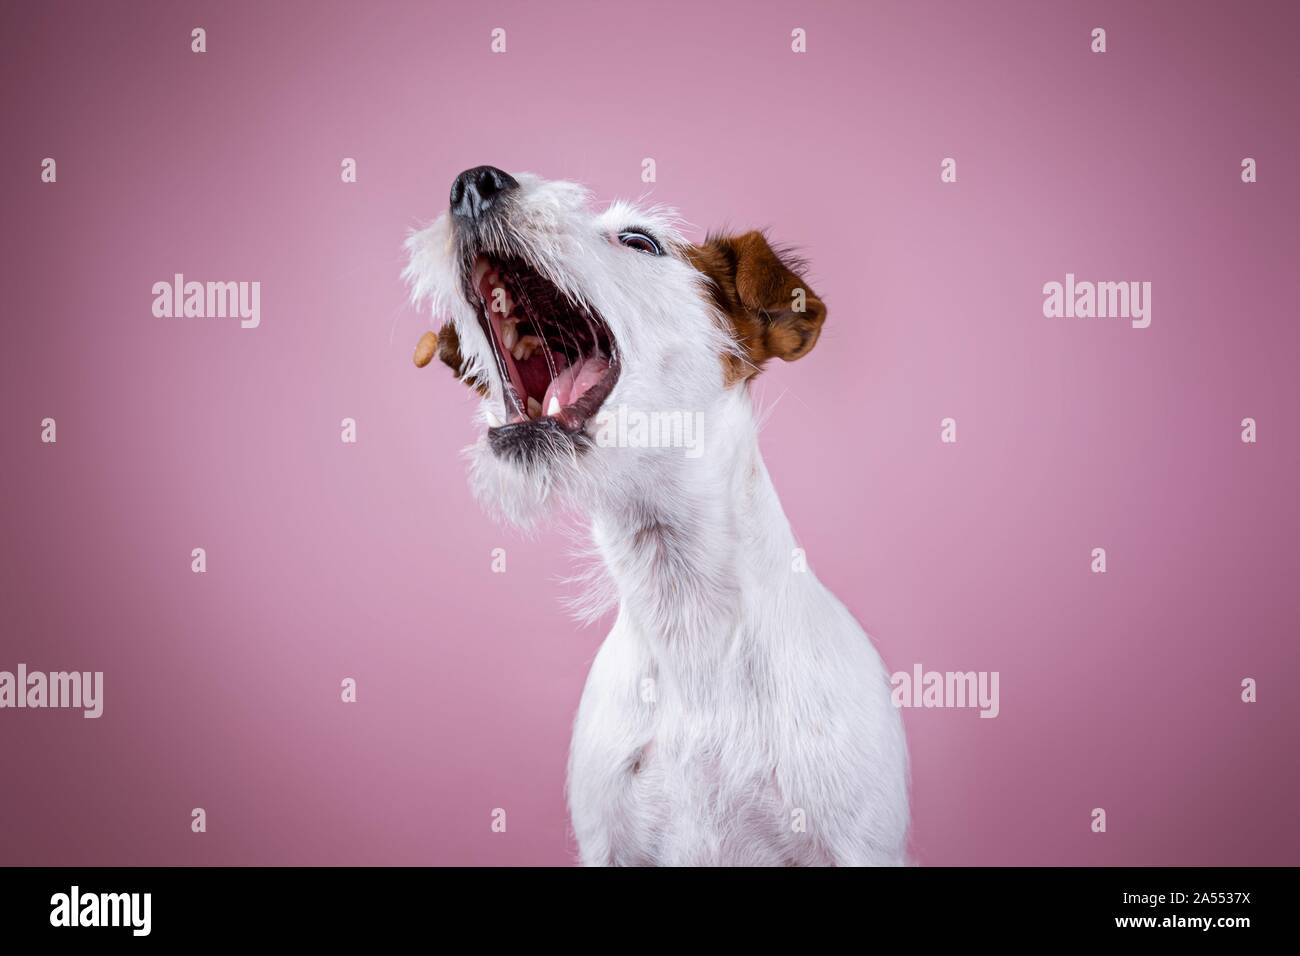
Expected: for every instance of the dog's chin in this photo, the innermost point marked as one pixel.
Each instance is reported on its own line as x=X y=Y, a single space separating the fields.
x=525 y=474
x=535 y=444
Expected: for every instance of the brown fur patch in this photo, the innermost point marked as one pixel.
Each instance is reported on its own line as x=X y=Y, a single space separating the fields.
x=755 y=287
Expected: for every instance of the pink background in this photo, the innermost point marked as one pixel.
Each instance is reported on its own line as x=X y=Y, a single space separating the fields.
x=328 y=560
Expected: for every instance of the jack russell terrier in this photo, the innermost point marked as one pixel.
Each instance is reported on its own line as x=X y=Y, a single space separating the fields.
x=736 y=714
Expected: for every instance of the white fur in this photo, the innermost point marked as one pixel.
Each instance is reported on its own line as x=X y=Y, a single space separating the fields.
x=735 y=696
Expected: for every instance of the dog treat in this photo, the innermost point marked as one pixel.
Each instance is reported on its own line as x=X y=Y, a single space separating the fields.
x=426 y=349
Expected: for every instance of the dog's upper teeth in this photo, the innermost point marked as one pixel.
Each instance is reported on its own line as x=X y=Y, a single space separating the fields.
x=534 y=408
x=493 y=421
x=525 y=347
x=553 y=407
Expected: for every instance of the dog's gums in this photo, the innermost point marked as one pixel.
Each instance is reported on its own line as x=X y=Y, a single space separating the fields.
x=557 y=357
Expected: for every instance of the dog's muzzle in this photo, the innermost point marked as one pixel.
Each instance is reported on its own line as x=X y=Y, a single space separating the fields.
x=555 y=356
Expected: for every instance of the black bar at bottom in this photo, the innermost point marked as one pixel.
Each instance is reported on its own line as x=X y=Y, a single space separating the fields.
x=332 y=905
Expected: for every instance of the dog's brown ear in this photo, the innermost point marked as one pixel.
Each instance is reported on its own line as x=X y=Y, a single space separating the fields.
x=448 y=345
x=772 y=312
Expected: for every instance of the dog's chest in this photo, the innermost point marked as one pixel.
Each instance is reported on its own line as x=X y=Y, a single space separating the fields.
x=694 y=795
x=664 y=774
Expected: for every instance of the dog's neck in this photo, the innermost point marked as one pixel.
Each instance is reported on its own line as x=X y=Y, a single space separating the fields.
x=705 y=546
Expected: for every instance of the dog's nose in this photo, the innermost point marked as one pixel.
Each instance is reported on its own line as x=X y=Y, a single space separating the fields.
x=476 y=190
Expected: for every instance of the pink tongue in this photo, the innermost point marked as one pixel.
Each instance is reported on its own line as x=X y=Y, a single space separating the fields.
x=571 y=384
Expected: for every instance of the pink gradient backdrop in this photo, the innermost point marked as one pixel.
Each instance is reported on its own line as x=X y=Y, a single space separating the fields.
x=328 y=560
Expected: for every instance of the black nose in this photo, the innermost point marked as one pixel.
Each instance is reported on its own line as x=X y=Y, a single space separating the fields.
x=476 y=190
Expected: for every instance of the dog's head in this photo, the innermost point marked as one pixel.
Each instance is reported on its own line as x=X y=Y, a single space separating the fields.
x=566 y=321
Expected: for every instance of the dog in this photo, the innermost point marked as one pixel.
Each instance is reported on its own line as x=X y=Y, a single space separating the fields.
x=736 y=714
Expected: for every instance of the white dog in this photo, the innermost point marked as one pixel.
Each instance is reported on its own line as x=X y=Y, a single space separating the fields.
x=736 y=713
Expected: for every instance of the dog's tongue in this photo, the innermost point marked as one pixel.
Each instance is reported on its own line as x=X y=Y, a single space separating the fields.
x=572 y=383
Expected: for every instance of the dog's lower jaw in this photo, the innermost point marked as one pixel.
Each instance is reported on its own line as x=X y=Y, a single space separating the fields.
x=736 y=714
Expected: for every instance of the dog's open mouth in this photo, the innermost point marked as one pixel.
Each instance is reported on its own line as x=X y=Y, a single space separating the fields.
x=557 y=359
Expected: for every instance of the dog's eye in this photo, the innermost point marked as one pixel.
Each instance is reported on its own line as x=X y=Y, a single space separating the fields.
x=639 y=241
